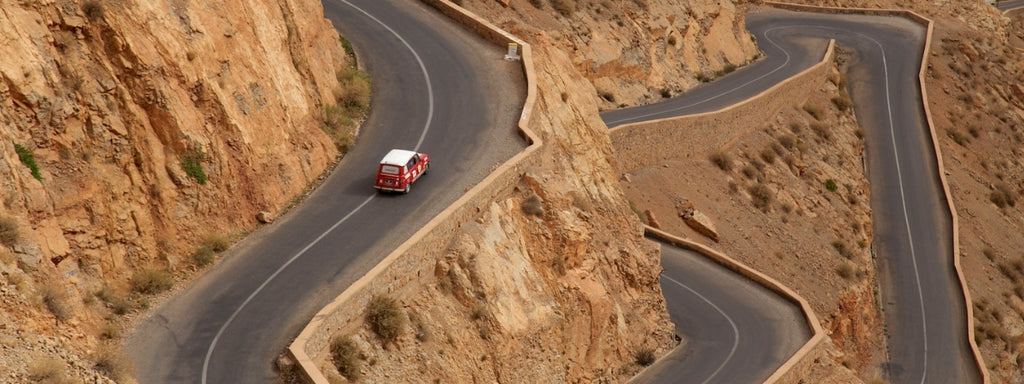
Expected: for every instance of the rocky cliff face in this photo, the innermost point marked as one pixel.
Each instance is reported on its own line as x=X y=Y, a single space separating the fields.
x=635 y=52
x=553 y=283
x=151 y=125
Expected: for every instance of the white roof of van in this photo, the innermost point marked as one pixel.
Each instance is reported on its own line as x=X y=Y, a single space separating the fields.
x=397 y=157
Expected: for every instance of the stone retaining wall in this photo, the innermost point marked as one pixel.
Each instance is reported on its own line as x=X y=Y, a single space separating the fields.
x=704 y=132
x=416 y=257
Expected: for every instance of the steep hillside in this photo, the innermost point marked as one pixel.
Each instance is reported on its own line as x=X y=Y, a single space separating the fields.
x=639 y=51
x=974 y=79
x=551 y=283
x=133 y=133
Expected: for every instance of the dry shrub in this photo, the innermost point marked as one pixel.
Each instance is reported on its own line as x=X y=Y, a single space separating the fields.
x=151 y=280
x=385 y=318
x=48 y=370
x=217 y=243
x=822 y=130
x=9 y=231
x=787 y=141
x=761 y=196
x=1003 y=196
x=814 y=110
x=56 y=301
x=111 y=362
x=643 y=357
x=842 y=102
x=93 y=10
x=345 y=354
x=533 y=205
x=846 y=270
x=722 y=160
x=564 y=7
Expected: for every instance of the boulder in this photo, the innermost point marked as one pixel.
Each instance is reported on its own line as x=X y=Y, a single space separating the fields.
x=698 y=221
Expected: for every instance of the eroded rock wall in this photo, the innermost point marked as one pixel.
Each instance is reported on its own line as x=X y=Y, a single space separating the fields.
x=111 y=99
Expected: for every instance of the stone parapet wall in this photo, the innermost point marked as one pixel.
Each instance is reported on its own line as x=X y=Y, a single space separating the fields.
x=705 y=132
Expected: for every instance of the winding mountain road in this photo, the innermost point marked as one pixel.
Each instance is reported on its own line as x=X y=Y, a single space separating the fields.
x=923 y=303
x=433 y=91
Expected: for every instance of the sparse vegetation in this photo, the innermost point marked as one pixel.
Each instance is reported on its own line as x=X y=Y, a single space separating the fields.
x=564 y=7
x=47 y=370
x=842 y=102
x=768 y=155
x=29 y=160
x=109 y=361
x=385 y=318
x=117 y=303
x=722 y=160
x=822 y=130
x=151 y=280
x=787 y=141
x=814 y=110
x=192 y=163
x=846 y=270
x=479 y=312
x=202 y=257
x=56 y=301
x=346 y=45
x=9 y=234
x=1003 y=196
x=830 y=185
x=643 y=357
x=539 y=4
x=762 y=196
x=958 y=137
x=533 y=205
x=345 y=354
x=93 y=10
x=703 y=77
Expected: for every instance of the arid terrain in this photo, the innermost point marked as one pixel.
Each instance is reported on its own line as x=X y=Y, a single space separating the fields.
x=129 y=133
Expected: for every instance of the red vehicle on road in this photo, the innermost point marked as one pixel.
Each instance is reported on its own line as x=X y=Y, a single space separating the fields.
x=399 y=169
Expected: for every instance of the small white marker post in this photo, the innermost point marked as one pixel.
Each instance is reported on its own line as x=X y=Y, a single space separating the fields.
x=512 y=54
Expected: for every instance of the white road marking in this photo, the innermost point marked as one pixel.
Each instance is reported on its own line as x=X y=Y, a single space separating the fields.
x=423 y=134
x=735 y=330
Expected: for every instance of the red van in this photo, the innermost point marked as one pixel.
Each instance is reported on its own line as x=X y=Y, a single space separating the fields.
x=399 y=169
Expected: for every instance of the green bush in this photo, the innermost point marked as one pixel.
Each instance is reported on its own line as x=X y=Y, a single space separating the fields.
x=345 y=354
x=192 y=164
x=151 y=280
x=831 y=185
x=385 y=318
x=29 y=160
x=347 y=45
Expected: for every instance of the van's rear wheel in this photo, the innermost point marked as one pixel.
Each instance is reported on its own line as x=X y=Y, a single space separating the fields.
x=407 y=186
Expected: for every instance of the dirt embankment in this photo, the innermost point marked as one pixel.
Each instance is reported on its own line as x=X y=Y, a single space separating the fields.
x=130 y=134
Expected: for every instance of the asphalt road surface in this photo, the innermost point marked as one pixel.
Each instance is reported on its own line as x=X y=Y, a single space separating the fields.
x=1009 y=4
x=437 y=88
x=923 y=303
x=734 y=330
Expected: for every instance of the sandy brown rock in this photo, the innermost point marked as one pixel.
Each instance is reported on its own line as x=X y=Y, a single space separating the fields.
x=110 y=101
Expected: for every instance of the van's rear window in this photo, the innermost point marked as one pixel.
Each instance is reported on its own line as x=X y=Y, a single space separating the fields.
x=389 y=169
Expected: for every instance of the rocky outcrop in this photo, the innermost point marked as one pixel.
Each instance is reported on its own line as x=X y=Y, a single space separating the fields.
x=151 y=125
x=635 y=52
